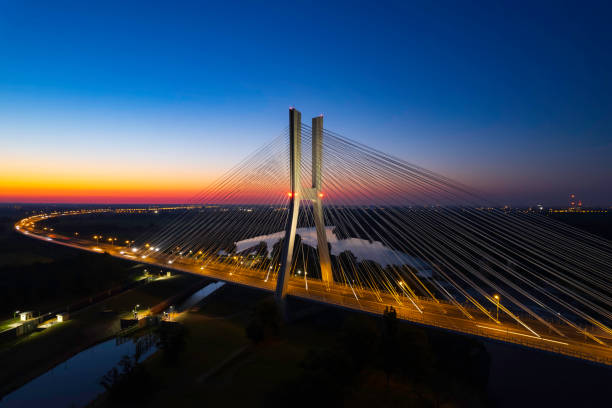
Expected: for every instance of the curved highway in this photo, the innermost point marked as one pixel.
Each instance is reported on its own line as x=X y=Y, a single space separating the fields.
x=593 y=344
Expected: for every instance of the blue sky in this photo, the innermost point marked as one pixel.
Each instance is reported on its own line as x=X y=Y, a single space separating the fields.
x=512 y=98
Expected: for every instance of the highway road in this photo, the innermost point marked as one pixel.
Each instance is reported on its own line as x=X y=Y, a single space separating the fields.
x=593 y=345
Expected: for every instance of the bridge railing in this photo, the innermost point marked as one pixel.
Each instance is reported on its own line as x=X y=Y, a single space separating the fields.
x=505 y=336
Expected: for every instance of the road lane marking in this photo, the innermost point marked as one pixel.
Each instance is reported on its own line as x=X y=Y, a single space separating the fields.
x=521 y=334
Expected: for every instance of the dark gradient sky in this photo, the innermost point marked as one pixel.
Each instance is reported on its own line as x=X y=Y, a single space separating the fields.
x=149 y=101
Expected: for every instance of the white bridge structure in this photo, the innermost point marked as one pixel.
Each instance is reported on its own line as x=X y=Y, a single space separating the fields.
x=400 y=235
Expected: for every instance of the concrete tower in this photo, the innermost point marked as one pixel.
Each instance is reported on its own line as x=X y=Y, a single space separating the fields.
x=297 y=194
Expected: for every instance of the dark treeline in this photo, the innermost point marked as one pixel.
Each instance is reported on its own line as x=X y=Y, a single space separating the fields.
x=380 y=362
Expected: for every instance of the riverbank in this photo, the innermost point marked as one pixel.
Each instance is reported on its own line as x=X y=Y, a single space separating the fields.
x=76 y=381
x=30 y=356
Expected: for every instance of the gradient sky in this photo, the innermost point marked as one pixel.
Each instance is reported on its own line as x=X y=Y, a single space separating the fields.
x=150 y=101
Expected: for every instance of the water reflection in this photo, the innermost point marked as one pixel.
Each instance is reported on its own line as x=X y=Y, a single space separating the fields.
x=76 y=381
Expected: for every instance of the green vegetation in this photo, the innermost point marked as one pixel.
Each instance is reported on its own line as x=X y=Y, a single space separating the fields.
x=398 y=364
x=171 y=341
x=120 y=382
x=8 y=323
x=330 y=358
x=265 y=321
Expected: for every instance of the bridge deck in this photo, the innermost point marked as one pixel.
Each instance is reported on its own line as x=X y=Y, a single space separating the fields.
x=423 y=311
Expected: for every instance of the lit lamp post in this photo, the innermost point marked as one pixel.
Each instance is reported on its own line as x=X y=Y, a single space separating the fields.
x=496 y=296
x=136 y=311
x=97 y=237
x=268 y=275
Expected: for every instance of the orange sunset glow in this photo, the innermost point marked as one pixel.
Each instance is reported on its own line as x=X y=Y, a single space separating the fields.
x=94 y=187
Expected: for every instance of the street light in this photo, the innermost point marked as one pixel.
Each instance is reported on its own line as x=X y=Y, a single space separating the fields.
x=268 y=274
x=401 y=283
x=496 y=296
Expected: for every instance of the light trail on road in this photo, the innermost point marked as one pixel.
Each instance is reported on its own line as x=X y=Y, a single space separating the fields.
x=432 y=313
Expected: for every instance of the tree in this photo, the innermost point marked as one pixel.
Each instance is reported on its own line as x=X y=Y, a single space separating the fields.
x=171 y=340
x=265 y=321
x=124 y=386
x=389 y=341
x=359 y=339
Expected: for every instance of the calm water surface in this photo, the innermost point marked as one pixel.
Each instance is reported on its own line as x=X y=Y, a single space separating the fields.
x=76 y=381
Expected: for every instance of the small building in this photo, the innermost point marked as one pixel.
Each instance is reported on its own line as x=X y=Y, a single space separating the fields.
x=62 y=317
x=26 y=315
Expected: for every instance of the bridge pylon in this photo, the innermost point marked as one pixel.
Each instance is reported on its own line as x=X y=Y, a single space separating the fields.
x=314 y=194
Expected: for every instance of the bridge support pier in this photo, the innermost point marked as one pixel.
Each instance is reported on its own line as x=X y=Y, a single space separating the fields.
x=296 y=195
x=295 y=152
x=317 y=204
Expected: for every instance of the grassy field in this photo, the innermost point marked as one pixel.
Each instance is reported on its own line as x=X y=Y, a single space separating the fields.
x=216 y=332
x=220 y=366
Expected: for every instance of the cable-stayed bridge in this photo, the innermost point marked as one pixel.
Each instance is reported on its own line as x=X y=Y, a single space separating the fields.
x=318 y=216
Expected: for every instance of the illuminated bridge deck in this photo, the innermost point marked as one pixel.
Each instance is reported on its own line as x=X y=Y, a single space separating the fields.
x=423 y=311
